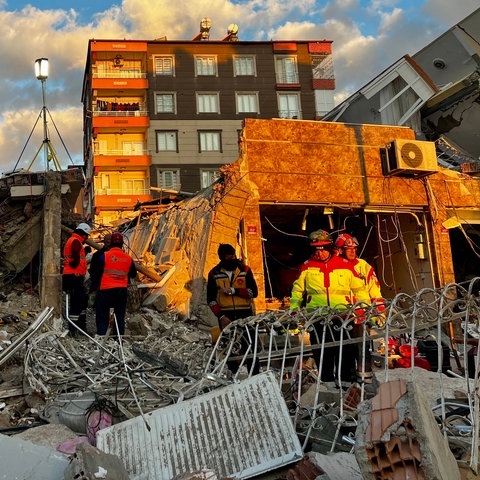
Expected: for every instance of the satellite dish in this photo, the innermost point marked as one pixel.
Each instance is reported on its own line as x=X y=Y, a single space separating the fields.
x=233 y=28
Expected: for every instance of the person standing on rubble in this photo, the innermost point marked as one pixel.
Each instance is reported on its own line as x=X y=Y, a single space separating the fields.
x=95 y=267
x=73 y=276
x=116 y=267
x=346 y=246
x=327 y=280
x=231 y=288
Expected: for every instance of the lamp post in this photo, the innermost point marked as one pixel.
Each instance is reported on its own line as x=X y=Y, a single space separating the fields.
x=41 y=72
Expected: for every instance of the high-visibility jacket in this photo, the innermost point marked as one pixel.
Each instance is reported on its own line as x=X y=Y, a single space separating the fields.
x=242 y=281
x=116 y=267
x=81 y=269
x=369 y=277
x=329 y=283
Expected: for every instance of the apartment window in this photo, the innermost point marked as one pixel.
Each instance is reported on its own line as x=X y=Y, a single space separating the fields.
x=247 y=102
x=207 y=103
x=169 y=179
x=286 y=69
x=167 y=141
x=133 y=186
x=210 y=141
x=289 y=105
x=165 y=102
x=205 y=65
x=244 y=65
x=208 y=176
x=164 y=66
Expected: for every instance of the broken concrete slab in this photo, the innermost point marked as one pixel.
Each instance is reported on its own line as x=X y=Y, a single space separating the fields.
x=90 y=462
x=23 y=460
x=337 y=466
x=397 y=432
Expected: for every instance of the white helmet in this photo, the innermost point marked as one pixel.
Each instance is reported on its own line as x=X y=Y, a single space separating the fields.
x=86 y=228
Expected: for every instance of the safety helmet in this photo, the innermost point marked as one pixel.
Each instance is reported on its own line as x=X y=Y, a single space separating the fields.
x=345 y=241
x=320 y=237
x=84 y=227
x=117 y=238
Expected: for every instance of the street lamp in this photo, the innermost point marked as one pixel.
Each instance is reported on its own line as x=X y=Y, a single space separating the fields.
x=41 y=72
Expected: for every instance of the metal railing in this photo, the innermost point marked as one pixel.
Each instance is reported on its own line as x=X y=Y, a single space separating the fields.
x=120 y=73
x=120 y=113
x=122 y=191
x=111 y=152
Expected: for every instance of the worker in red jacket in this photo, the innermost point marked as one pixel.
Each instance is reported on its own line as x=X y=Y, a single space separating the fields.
x=346 y=246
x=73 y=276
x=116 y=267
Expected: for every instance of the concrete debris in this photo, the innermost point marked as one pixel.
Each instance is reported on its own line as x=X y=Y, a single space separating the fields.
x=398 y=437
x=89 y=462
x=22 y=459
x=337 y=466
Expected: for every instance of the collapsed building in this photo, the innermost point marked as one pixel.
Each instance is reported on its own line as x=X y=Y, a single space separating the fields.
x=292 y=177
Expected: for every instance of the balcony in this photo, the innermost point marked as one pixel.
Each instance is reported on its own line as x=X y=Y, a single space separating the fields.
x=118 y=159
x=288 y=80
x=120 y=119
x=120 y=79
x=120 y=199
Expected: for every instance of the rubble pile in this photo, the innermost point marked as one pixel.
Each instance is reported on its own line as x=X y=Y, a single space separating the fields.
x=165 y=360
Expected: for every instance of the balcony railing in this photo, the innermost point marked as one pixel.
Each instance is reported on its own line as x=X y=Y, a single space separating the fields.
x=122 y=191
x=120 y=113
x=121 y=153
x=120 y=74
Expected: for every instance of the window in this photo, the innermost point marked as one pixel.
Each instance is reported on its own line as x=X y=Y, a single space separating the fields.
x=205 y=65
x=133 y=148
x=165 y=102
x=133 y=186
x=207 y=103
x=289 y=105
x=286 y=69
x=167 y=141
x=247 y=103
x=208 y=176
x=169 y=179
x=164 y=66
x=244 y=65
x=210 y=141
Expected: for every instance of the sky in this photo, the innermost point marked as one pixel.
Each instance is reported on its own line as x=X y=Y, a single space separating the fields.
x=368 y=36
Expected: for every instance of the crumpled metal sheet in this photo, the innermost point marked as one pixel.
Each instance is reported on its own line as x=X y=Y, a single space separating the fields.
x=238 y=431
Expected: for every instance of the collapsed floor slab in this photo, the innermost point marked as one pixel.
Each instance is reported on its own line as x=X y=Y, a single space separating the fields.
x=397 y=436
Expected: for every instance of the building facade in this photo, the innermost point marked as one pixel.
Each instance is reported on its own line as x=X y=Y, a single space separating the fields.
x=166 y=115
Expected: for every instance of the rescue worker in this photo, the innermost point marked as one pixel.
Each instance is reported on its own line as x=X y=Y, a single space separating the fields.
x=231 y=288
x=73 y=276
x=346 y=246
x=328 y=280
x=115 y=269
x=94 y=268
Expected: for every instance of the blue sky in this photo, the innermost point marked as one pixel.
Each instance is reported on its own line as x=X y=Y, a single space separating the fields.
x=367 y=35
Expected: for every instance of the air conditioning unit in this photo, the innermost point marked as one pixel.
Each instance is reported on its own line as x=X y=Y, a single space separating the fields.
x=410 y=158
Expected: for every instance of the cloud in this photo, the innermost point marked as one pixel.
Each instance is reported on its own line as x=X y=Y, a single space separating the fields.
x=367 y=38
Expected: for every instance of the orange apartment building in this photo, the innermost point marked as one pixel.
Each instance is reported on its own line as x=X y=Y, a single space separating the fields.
x=166 y=115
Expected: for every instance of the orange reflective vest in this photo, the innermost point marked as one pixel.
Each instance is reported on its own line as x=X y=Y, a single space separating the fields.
x=81 y=269
x=116 y=268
